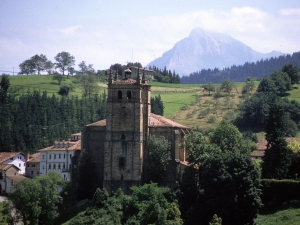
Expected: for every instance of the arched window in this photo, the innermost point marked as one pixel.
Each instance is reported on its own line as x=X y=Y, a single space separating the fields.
x=128 y=94
x=119 y=94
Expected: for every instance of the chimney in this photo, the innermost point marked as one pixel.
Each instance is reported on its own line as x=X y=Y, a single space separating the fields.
x=27 y=156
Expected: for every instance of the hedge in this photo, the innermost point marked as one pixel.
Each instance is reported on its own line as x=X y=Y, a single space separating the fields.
x=279 y=191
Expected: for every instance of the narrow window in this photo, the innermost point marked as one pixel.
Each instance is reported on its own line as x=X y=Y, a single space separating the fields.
x=49 y=166
x=119 y=94
x=43 y=156
x=54 y=156
x=59 y=156
x=54 y=166
x=49 y=156
x=128 y=94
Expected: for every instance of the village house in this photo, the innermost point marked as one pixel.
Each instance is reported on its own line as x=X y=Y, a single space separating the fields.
x=118 y=144
x=9 y=174
x=32 y=165
x=262 y=146
x=16 y=158
x=58 y=157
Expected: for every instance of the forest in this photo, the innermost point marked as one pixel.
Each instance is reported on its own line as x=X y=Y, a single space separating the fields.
x=239 y=73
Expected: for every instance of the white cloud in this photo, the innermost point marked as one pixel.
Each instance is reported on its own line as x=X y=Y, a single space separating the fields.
x=107 y=41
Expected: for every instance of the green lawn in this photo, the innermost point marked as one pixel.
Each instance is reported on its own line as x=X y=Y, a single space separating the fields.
x=45 y=83
x=174 y=101
x=285 y=215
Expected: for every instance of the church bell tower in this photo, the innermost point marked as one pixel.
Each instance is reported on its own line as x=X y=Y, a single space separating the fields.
x=127 y=118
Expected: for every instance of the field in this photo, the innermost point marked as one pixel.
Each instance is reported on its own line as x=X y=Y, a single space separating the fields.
x=184 y=103
x=288 y=214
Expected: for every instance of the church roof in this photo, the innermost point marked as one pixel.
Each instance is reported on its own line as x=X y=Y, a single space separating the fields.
x=154 y=121
x=127 y=81
x=63 y=145
x=161 y=121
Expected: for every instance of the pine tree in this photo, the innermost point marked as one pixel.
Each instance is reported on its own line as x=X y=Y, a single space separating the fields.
x=277 y=158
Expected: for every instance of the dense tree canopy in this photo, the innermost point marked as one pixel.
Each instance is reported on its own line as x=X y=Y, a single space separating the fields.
x=230 y=185
x=157 y=106
x=159 y=156
x=35 y=120
x=235 y=73
x=148 y=204
x=35 y=199
x=277 y=158
x=64 y=60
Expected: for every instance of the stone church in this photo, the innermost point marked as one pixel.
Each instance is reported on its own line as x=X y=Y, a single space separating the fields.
x=118 y=144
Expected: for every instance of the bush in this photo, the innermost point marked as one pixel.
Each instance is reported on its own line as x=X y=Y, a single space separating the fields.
x=279 y=191
x=64 y=90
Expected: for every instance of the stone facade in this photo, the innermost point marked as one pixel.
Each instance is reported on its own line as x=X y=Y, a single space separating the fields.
x=118 y=144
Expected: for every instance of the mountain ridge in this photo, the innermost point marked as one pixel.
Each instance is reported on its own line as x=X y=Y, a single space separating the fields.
x=205 y=49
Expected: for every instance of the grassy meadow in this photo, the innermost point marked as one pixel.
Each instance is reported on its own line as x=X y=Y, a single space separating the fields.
x=184 y=103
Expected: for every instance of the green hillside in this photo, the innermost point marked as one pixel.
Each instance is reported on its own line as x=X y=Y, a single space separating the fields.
x=184 y=103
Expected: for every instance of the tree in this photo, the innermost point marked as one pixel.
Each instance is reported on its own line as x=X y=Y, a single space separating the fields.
x=35 y=199
x=159 y=157
x=83 y=67
x=199 y=148
x=5 y=83
x=88 y=84
x=227 y=86
x=267 y=86
x=87 y=171
x=249 y=85
x=41 y=63
x=149 y=205
x=230 y=187
x=216 y=220
x=282 y=82
x=57 y=77
x=27 y=67
x=277 y=158
x=100 y=197
x=64 y=90
x=226 y=136
x=157 y=106
x=64 y=60
x=293 y=72
x=208 y=87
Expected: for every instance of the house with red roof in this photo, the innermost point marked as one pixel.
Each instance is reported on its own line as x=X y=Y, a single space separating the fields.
x=57 y=157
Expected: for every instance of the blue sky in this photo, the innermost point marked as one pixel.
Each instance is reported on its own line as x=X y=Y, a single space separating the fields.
x=106 y=32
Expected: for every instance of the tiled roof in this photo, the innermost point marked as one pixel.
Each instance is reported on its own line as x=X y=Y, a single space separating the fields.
x=5 y=167
x=262 y=144
x=100 y=123
x=161 y=121
x=60 y=146
x=16 y=177
x=7 y=155
x=34 y=157
x=127 y=81
x=155 y=121
x=258 y=153
x=77 y=134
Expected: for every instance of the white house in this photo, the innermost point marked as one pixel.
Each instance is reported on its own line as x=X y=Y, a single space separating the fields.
x=15 y=158
x=58 y=157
